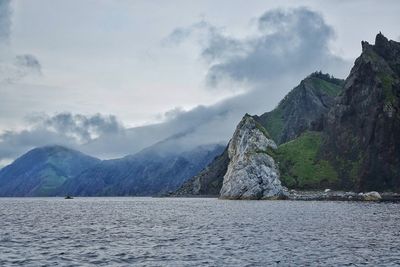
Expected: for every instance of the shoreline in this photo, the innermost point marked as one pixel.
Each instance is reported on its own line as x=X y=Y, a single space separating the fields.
x=330 y=195
x=318 y=195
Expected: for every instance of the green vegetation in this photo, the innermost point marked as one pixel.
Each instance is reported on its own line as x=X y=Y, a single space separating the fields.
x=370 y=55
x=329 y=88
x=387 y=83
x=269 y=151
x=327 y=77
x=318 y=83
x=262 y=129
x=274 y=123
x=299 y=164
x=51 y=180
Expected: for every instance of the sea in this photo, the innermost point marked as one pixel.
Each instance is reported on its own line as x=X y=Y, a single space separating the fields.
x=132 y=231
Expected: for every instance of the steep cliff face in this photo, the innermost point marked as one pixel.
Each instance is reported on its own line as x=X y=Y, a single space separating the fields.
x=252 y=172
x=302 y=107
x=362 y=130
x=209 y=181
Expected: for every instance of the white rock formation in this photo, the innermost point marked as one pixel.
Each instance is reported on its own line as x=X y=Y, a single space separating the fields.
x=372 y=196
x=252 y=173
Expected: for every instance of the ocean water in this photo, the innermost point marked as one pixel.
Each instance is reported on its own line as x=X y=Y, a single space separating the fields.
x=196 y=232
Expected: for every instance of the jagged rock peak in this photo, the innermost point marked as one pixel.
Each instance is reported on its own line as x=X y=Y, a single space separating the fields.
x=388 y=49
x=252 y=172
x=362 y=128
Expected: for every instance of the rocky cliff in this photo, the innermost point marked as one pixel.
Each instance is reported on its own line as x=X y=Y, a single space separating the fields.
x=302 y=107
x=362 y=130
x=305 y=104
x=252 y=172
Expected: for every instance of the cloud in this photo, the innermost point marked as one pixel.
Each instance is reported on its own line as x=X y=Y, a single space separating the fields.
x=73 y=130
x=5 y=21
x=15 y=69
x=288 y=46
x=13 y=66
x=29 y=62
x=181 y=34
x=79 y=127
x=288 y=42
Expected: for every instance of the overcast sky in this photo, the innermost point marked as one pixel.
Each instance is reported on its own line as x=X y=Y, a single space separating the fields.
x=73 y=71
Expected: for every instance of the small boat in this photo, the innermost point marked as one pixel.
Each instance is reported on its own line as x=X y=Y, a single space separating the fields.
x=68 y=197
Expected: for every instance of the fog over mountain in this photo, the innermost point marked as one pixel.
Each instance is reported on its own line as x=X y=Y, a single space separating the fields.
x=247 y=71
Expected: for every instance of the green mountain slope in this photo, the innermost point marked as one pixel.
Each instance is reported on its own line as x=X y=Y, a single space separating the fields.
x=300 y=166
x=302 y=107
x=41 y=171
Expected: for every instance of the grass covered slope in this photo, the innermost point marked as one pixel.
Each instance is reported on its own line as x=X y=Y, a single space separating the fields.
x=300 y=166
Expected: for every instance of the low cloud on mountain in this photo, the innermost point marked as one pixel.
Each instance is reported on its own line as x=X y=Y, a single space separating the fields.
x=72 y=130
x=288 y=45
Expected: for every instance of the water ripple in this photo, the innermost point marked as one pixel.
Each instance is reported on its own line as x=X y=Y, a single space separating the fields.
x=196 y=232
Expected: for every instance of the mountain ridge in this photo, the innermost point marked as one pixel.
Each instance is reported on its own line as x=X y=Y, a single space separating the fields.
x=361 y=131
x=41 y=170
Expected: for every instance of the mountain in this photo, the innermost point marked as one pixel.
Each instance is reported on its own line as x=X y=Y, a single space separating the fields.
x=42 y=170
x=300 y=110
x=362 y=130
x=209 y=181
x=153 y=171
x=357 y=146
x=302 y=107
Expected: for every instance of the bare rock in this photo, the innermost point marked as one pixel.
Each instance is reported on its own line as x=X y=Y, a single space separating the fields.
x=252 y=172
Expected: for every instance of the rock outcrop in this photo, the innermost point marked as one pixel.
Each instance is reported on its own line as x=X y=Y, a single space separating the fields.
x=371 y=196
x=252 y=172
x=362 y=130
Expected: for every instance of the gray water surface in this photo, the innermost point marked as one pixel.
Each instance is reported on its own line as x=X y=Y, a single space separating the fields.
x=196 y=232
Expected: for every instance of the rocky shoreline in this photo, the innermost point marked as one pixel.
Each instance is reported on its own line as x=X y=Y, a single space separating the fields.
x=343 y=196
x=326 y=195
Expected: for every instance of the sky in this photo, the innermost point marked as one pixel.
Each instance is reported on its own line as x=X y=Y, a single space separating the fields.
x=112 y=77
